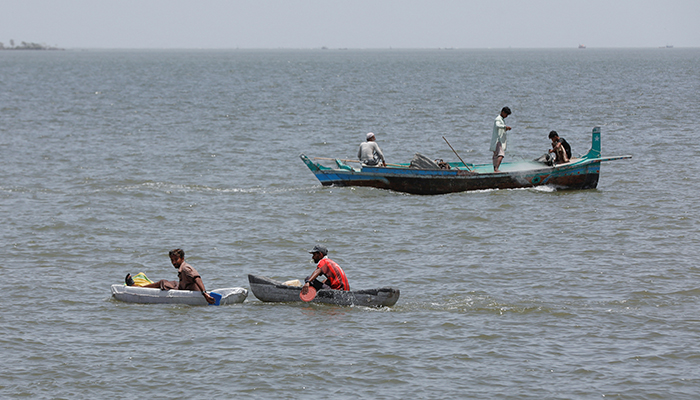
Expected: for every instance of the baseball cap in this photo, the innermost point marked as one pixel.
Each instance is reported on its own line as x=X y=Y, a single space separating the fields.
x=320 y=249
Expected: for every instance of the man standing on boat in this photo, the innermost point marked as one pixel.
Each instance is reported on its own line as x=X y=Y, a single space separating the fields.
x=335 y=277
x=560 y=148
x=189 y=278
x=499 y=138
x=370 y=153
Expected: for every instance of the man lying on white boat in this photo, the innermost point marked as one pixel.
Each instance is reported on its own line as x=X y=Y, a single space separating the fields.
x=189 y=278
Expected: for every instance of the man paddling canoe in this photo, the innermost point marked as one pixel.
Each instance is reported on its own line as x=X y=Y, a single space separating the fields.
x=189 y=278
x=335 y=277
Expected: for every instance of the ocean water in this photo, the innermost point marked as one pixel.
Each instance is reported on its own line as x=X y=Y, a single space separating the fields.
x=112 y=158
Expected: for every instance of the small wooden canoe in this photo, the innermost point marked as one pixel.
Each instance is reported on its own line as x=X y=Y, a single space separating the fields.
x=270 y=290
x=136 y=294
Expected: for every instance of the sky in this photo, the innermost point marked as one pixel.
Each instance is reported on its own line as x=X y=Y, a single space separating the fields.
x=353 y=24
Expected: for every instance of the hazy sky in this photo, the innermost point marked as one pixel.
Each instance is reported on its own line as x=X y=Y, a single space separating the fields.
x=225 y=24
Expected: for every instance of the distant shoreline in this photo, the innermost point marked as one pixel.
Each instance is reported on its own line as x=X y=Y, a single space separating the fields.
x=27 y=46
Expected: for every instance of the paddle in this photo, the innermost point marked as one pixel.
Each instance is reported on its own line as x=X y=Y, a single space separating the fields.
x=355 y=161
x=309 y=295
x=216 y=297
x=460 y=158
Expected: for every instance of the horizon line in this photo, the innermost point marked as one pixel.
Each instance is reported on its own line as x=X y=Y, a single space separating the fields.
x=364 y=48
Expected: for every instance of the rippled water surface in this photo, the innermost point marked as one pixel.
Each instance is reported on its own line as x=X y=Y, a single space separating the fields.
x=112 y=158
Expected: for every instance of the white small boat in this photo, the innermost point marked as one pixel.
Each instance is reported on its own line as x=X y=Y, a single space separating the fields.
x=137 y=294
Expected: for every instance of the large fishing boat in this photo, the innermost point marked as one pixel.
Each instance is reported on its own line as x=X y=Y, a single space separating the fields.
x=578 y=173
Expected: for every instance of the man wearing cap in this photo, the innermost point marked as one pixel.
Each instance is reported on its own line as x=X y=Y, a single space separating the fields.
x=335 y=277
x=499 y=138
x=370 y=153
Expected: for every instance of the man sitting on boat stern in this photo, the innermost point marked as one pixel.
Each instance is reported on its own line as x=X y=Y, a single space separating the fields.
x=370 y=153
x=560 y=148
x=189 y=278
x=499 y=138
x=335 y=277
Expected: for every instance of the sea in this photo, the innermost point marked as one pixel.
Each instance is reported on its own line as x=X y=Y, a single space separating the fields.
x=111 y=158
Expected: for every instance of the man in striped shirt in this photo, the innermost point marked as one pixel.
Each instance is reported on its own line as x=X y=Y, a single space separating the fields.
x=335 y=277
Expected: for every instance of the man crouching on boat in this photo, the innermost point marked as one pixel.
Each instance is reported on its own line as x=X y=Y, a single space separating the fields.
x=335 y=277
x=560 y=148
x=189 y=277
x=370 y=153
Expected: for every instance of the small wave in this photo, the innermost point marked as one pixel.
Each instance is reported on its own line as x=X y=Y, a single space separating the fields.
x=172 y=187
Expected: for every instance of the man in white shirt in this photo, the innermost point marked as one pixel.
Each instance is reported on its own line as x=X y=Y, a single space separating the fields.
x=370 y=153
x=499 y=138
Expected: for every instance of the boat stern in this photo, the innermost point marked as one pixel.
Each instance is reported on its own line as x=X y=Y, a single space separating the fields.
x=594 y=152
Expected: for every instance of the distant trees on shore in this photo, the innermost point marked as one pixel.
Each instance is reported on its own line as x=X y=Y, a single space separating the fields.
x=26 y=46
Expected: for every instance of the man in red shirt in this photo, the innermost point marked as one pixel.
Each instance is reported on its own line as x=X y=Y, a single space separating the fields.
x=335 y=277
